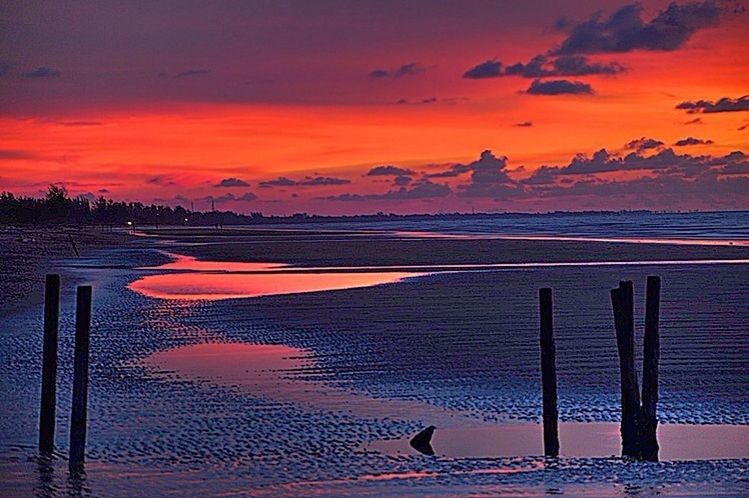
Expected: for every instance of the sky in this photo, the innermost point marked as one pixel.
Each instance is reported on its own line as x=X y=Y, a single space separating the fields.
x=361 y=106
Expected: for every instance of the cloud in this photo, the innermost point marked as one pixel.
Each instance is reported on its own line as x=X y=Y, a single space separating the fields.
x=455 y=170
x=725 y=104
x=160 y=180
x=16 y=155
x=42 y=72
x=232 y=182
x=694 y=121
x=542 y=66
x=568 y=65
x=247 y=197
x=664 y=161
x=281 y=181
x=402 y=180
x=103 y=191
x=424 y=189
x=642 y=144
x=323 y=180
x=559 y=87
x=488 y=69
x=308 y=181
x=389 y=170
x=410 y=69
x=692 y=141
x=489 y=178
x=625 y=30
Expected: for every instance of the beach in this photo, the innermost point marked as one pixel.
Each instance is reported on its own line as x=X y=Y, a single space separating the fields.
x=278 y=361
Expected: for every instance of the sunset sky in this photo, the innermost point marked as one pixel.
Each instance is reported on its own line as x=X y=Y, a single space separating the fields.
x=344 y=107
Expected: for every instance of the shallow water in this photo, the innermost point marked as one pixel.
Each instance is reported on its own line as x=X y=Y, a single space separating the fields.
x=591 y=439
x=456 y=343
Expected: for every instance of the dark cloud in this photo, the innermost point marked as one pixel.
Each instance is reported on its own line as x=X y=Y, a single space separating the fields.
x=725 y=104
x=424 y=189
x=232 y=182
x=543 y=66
x=103 y=191
x=559 y=87
x=402 y=180
x=42 y=72
x=524 y=124
x=308 y=181
x=246 y=197
x=323 y=180
x=642 y=144
x=281 y=181
x=664 y=161
x=567 y=65
x=692 y=141
x=489 y=178
x=16 y=155
x=488 y=69
x=389 y=170
x=694 y=121
x=160 y=180
x=455 y=170
x=625 y=30
x=411 y=69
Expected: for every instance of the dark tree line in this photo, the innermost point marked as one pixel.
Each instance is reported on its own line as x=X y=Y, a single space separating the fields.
x=58 y=208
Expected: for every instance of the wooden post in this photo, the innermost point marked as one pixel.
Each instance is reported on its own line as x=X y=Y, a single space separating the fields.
x=80 y=377
x=49 y=364
x=75 y=249
x=548 y=375
x=622 y=300
x=648 y=418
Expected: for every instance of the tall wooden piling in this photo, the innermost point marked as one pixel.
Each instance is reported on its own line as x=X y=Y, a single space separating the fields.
x=622 y=300
x=548 y=375
x=80 y=377
x=651 y=344
x=49 y=364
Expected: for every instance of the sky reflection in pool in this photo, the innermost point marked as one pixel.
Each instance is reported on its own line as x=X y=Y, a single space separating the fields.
x=190 y=279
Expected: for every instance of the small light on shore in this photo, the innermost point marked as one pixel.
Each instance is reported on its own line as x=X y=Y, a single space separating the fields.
x=185 y=220
x=129 y=223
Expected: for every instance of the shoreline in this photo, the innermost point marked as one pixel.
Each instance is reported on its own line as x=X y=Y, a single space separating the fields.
x=31 y=252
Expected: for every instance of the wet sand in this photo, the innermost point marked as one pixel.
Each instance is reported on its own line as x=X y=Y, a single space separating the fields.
x=290 y=393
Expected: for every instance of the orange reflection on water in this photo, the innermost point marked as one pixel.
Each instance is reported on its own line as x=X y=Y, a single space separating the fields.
x=194 y=280
x=189 y=263
x=215 y=286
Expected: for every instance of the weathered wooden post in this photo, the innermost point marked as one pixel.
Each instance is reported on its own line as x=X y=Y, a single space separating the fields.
x=548 y=375
x=622 y=300
x=49 y=364
x=80 y=377
x=651 y=345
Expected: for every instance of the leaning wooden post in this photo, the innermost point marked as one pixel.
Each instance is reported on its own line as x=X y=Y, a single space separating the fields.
x=648 y=418
x=49 y=364
x=548 y=375
x=80 y=377
x=622 y=300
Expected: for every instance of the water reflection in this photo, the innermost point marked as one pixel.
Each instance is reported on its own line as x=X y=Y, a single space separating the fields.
x=280 y=372
x=191 y=279
x=594 y=439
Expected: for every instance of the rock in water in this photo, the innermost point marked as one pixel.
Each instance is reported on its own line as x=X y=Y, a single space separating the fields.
x=421 y=442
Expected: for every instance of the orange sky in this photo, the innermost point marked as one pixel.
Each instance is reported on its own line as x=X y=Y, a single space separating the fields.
x=129 y=134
